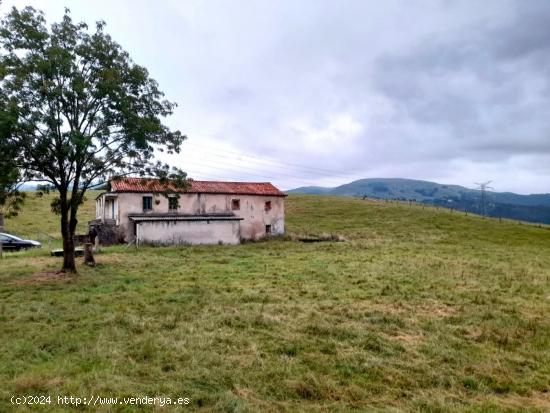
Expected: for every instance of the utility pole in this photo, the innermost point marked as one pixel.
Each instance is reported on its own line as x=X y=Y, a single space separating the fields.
x=483 y=187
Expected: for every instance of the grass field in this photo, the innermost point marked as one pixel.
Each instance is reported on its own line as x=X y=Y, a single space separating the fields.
x=418 y=310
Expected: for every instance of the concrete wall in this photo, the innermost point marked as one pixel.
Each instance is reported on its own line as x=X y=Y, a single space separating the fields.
x=188 y=232
x=252 y=210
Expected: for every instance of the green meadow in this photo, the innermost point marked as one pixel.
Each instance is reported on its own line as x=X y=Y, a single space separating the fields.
x=418 y=309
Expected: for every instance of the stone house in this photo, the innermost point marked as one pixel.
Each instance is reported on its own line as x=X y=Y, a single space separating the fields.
x=207 y=212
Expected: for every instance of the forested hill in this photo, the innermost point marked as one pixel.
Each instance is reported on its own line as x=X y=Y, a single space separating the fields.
x=532 y=208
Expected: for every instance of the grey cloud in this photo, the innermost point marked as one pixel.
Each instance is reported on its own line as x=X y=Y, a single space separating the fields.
x=528 y=34
x=485 y=86
x=443 y=90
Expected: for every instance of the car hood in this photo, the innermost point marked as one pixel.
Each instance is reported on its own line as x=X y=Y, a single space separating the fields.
x=35 y=243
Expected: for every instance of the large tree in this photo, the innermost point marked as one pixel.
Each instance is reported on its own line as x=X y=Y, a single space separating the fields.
x=84 y=111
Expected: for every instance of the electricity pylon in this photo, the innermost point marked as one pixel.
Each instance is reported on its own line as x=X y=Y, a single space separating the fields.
x=483 y=186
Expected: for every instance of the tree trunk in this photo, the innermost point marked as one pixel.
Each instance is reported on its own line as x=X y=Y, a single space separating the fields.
x=1 y=230
x=69 y=264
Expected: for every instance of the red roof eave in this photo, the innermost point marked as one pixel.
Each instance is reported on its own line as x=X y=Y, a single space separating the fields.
x=205 y=187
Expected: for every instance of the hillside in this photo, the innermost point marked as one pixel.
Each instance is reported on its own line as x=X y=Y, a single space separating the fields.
x=37 y=222
x=420 y=309
x=531 y=208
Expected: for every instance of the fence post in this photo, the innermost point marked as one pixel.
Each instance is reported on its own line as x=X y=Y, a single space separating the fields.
x=88 y=255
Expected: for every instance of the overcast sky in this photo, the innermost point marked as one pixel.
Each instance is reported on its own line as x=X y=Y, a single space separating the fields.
x=324 y=92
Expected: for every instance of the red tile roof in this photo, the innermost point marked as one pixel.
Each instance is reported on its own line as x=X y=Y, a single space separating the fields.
x=204 y=187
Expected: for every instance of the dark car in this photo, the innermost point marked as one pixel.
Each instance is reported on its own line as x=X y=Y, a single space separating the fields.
x=13 y=243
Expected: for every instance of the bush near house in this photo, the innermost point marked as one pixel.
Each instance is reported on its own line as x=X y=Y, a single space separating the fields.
x=417 y=310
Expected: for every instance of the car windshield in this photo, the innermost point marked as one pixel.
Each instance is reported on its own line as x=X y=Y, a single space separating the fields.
x=12 y=237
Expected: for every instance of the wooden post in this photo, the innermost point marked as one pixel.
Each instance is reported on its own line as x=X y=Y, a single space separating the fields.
x=88 y=255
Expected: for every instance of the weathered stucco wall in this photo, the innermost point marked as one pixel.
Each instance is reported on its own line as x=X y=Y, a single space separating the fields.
x=252 y=208
x=188 y=232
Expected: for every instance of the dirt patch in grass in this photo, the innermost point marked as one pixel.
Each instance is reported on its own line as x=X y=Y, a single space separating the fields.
x=244 y=393
x=109 y=257
x=408 y=339
x=29 y=383
x=436 y=309
x=537 y=400
x=427 y=309
x=474 y=333
x=46 y=277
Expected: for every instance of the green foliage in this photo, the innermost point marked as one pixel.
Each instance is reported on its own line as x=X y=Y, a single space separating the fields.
x=419 y=310
x=11 y=198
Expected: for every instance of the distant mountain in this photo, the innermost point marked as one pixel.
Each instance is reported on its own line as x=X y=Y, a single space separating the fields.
x=534 y=208
x=311 y=190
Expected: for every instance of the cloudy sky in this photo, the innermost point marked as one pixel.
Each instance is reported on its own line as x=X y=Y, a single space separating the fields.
x=325 y=92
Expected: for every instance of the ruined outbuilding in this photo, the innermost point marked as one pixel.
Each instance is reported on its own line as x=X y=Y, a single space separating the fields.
x=206 y=212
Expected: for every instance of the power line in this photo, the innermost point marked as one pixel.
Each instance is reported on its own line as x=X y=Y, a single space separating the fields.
x=199 y=175
x=255 y=158
x=239 y=169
